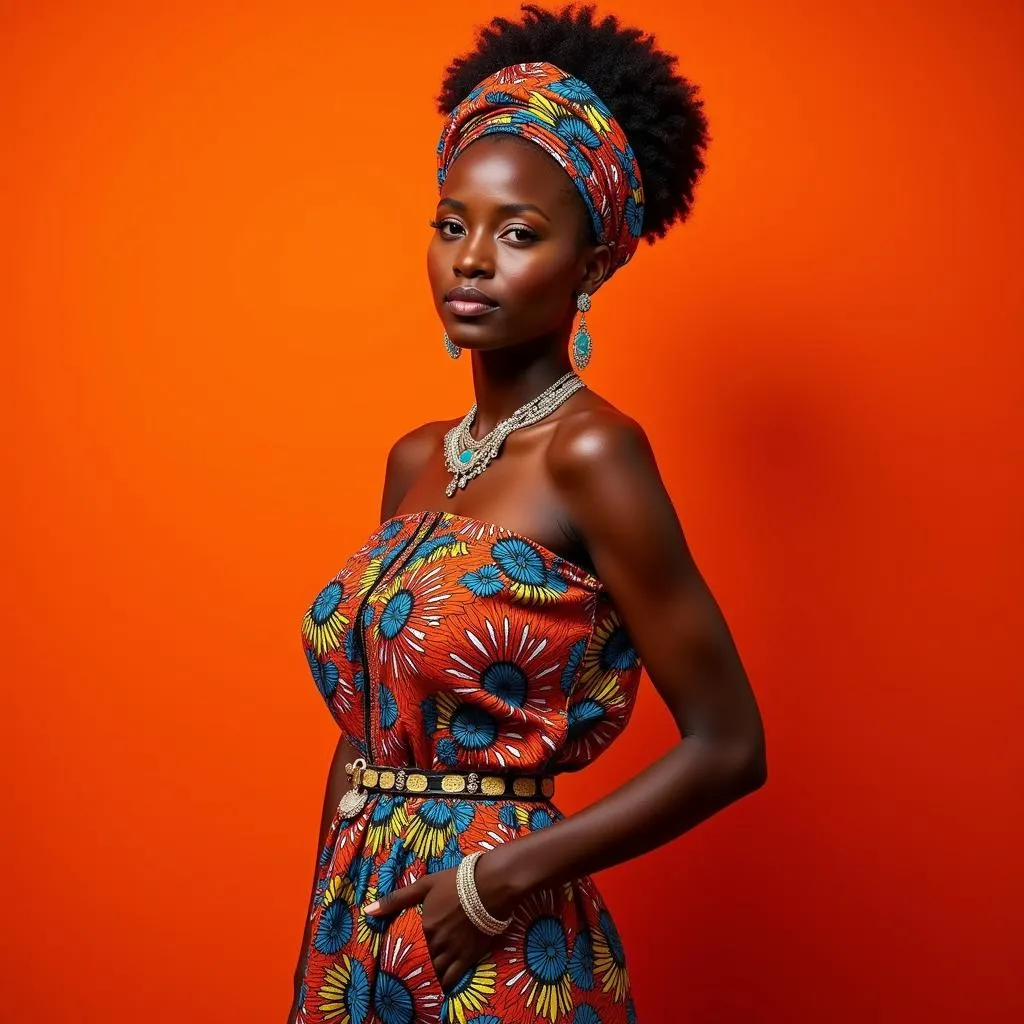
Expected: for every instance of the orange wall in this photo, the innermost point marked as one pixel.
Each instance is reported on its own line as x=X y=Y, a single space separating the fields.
x=214 y=289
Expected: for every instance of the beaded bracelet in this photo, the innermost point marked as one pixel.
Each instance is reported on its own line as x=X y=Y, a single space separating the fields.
x=465 y=884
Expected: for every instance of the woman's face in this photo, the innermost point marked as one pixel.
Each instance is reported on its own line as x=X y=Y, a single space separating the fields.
x=509 y=255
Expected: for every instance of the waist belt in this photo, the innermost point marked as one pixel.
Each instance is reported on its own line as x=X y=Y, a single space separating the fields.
x=465 y=785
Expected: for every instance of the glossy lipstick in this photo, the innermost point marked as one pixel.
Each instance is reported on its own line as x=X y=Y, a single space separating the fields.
x=466 y=301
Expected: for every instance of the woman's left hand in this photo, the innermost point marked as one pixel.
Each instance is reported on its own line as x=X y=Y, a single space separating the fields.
x=455 y=944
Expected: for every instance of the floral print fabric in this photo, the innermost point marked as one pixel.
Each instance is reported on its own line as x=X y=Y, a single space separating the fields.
x=445 y=642
x=565 y=117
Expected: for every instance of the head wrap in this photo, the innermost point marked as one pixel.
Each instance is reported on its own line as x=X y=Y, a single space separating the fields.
x=567 y=119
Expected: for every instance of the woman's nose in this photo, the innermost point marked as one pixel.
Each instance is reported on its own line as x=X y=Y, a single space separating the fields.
x=475 y=257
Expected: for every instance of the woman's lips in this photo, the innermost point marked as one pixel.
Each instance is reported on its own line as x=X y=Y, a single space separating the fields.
x=467 y=300
x=463 y=307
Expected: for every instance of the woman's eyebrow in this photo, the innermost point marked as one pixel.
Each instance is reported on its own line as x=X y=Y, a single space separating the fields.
x=504 y=209
x=523 y=208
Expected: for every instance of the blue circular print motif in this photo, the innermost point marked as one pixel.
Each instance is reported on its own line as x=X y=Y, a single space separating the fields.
x=357 y=992
x=388 y=707
x=325 y=675
x=473 y=728
x=583 y=716
x=618 y=651
x=392 y=1001
x=519 y=561
x=547 y=955
x=507 y=681
x=539 y=818
x=396 y=614
x=335 y=928
x=447 y=751
x=612 y=935
x=326 y=603
x=581 y=963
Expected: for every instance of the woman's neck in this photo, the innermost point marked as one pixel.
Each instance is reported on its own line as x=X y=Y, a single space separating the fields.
x=505 y=379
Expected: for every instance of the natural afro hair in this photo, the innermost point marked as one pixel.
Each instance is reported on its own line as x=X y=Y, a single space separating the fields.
x=660 y=111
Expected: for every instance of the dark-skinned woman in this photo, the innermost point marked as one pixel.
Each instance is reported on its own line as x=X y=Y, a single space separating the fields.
x=490 y=633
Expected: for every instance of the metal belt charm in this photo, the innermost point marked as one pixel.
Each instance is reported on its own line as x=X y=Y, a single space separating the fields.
x=354 y=800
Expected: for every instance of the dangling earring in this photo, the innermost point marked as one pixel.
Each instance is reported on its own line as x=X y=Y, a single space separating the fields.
x=582 y=346
x=451 y=348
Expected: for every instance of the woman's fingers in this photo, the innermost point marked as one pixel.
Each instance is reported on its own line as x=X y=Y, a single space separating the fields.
x=401 y=899
x=441 y=963
x=453 y=975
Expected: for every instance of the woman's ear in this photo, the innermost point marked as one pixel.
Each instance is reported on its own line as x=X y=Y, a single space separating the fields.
x=595 y=270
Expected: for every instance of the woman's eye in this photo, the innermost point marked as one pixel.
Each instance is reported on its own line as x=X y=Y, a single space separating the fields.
x=447 y=228
x=521 y=234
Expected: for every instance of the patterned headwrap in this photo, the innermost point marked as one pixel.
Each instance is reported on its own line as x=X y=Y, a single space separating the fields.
x=567 y=119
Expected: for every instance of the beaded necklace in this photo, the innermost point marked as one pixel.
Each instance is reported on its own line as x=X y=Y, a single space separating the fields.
x=466 y=457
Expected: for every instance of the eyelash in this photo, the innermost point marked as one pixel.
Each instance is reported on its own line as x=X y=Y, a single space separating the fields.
x=531 y=235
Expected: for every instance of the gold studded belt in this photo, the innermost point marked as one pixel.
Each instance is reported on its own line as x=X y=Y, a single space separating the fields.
x=471 y=785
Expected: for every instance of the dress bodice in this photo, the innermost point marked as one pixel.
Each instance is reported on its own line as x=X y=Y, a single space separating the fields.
x=446 y=642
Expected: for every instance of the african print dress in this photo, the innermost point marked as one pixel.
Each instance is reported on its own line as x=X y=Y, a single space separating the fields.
x=476 y=650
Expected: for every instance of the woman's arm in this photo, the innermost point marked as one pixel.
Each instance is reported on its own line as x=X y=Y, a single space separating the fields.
x=607 y=477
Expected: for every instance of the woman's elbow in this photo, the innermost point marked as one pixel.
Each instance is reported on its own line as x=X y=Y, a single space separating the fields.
x=756 y=773
x=751 y=765
x=744 y=765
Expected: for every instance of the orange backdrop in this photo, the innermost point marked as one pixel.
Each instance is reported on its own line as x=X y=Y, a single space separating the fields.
x=216 y=320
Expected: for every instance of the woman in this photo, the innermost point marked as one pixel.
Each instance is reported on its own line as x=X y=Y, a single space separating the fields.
x=468 y=663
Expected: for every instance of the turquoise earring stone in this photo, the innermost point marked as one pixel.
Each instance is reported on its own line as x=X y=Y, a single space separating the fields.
x=581 y=343
x=581 y=348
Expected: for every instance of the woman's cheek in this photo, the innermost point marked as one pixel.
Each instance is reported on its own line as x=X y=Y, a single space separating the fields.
x=542 y=281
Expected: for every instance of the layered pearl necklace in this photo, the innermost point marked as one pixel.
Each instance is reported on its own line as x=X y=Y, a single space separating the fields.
x=467 y=457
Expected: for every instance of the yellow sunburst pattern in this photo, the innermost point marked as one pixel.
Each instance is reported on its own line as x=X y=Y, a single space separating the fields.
x=324 y=625
x=538 y=948
x=370 y=575
x=445 y=547
x=471 y=995
x=534 y=593
x=596 y=119
x=370 y=930
x=345 y=984
x=388 y=819
x=427 y=834
x=609 y=959
x=544 y=108
x=335 y=887
x=611 y=650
